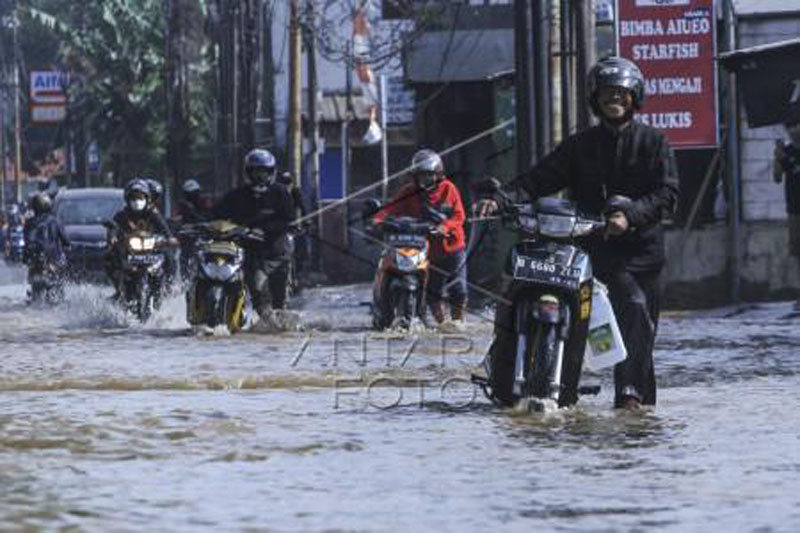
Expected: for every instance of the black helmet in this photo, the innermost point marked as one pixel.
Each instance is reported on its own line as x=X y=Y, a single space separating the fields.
x=615 y=72
x=259 y=167
x=41 y=203
x=156 y=189
x=427 y=168
x=136 y=190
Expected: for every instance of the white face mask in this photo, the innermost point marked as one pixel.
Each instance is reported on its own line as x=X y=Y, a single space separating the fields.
x=139 y=204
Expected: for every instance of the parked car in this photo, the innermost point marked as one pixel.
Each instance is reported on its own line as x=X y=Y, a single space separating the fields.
x=82 y=213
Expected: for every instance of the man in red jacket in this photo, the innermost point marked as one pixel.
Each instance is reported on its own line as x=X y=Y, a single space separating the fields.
x=432 y=196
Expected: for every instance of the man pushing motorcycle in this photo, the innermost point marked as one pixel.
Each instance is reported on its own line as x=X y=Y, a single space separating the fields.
x=430 y=195
x=262 y=204
x=625 y=171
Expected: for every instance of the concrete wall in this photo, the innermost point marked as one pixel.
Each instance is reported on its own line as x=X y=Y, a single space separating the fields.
x=697 y=275
x=762 y=198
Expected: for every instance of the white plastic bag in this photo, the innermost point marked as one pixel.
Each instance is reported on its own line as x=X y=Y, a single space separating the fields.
x=604 y=344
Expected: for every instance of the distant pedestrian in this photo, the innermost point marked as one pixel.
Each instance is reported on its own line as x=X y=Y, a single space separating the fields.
x=787 y=168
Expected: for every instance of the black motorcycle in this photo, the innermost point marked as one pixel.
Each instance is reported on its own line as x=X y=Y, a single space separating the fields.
x=545 y=318
x=141 y=285
x=46 y=279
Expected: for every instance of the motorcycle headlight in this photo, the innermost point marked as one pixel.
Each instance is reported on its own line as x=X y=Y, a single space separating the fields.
x=528 y=223
x=409 y=260
x=219 y=271
x=142 y=244
x=558 y=226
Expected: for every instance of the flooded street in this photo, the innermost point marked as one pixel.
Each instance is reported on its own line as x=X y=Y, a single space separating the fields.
x=105 y=424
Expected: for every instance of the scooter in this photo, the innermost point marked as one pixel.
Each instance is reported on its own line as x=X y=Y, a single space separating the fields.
x=141 y=284
x=398 y=291
x=218 y=295
x=551 y=296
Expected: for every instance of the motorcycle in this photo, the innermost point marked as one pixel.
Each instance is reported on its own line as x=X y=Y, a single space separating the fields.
x=15 y=244
x=551 y=293
x=218 y=295
x=398 y=291
x=46 y=280
x=141 y=284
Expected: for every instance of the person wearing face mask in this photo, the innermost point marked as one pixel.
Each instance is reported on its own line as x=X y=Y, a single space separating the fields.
x=624 y=171
x=262 y=204
x=137 y=215
x=430 y=195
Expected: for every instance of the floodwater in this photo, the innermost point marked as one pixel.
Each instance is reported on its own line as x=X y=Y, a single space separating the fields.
x=109 y=425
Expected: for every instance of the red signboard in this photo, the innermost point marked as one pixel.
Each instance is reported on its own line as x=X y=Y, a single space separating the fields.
x=674 y=42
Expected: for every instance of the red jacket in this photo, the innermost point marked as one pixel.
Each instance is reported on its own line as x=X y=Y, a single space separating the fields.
x=410 y=201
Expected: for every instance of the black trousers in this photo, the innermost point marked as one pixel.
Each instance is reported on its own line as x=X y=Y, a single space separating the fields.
x=636 y=299
x=266 y=279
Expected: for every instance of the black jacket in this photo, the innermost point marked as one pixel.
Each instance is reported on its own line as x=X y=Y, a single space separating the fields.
x=598 y=163
x=44 y=235
x=271 y=212
x=190 y=212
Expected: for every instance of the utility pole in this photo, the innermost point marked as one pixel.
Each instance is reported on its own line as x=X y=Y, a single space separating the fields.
x=177 y=98
x=523 y=85
x=313 y=119
x=348 y=115
x=586 y=37
x=3 y=149
x=734 y=171
x=541 y=64
x=295 y=92
x=17 y=118
x=566 y=68
x=384 y=139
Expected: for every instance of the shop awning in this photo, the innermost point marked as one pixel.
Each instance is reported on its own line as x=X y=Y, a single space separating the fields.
x=768 y=77
x=461 y=55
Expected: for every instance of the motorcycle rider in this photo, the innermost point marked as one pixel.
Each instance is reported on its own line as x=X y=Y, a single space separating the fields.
x=190 y=207
x=431 y=194
x=45 y=239
x=262 y=204
x=138 y=214
x=156 y=193
x=624 y=170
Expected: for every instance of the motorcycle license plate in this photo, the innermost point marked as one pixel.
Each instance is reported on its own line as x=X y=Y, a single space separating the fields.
x=540 y=270
x=144 y=259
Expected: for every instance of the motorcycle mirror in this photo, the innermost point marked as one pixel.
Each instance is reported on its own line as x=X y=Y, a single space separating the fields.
x=487 y=186
x=369 y=208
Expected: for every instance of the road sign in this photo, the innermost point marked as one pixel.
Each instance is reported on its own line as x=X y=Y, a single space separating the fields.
x=48 y=113
x=673 y=43
x=48 y=87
